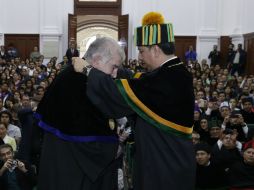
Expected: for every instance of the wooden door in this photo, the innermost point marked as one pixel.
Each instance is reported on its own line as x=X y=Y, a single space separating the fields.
x=97 y=7
x=72 y=29
x=224 y=43
x=249 y=48
x=23 y=42
x=182 y=44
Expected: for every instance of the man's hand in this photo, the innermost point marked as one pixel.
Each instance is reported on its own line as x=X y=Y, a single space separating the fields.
x=241 y=120
x=21 y=166
x=7 y=165
x=79 y=64
x=226 y=120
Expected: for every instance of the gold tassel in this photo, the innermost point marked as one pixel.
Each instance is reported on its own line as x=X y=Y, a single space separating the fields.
x=151 y=35
x=159 y=33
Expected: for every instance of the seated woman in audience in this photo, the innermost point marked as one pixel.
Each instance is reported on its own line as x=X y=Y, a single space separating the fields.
x=204 y=130
x=12 y=130
x=207 y=91
x=235 y=121
x=214 y=131
x=195 y=137
x=7 y=139
x=233 y=104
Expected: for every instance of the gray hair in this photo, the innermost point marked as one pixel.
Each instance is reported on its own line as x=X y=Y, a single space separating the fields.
x=104 y=47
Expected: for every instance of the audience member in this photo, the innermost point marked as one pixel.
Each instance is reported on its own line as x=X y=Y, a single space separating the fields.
x=208 y=175
x=71 y=52
x=214 y=131
x=236 y=122
x=190 y=55
x=15 y=174
x=230 y=56
x=247 y=110
x=12 y=52
x=241 y=173
x=195 y=137
x=227 y=149
x=35 y=54
x=12 y=130
x=3 y=53
x=214 y=56
x=6 y=138
x=239 y=61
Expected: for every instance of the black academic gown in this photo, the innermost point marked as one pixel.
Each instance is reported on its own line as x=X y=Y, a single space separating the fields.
x=164 y=156
x=210 y=177
x=241 y=175
x=79 y=148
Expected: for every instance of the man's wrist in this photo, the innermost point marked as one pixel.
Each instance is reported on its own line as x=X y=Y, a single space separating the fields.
x=2 y=170
x=24 y=170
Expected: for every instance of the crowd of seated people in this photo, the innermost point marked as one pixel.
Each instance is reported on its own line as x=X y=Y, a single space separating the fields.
x=22 y=85
x=223 y=119
x=223 y=125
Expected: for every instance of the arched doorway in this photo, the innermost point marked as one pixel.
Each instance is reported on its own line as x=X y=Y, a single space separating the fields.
x=103 y=16
x=90 y=27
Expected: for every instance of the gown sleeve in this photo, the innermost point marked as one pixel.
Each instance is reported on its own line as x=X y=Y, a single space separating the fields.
x=104 y=94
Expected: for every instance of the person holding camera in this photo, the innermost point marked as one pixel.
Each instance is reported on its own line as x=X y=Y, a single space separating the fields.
x=15 y=174
x=235 y=121
x=227 y=150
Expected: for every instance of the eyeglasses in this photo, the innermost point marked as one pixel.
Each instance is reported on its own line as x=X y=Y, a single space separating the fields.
x=3 y=116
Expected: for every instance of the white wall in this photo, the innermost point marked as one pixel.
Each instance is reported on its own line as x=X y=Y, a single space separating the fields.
x=248 y=15
x=206 y=19
x=54 y=26
x=21 y=16
x=208 y=27
x=1 y=22
x=231 y=17
x=237 y=17
x=49 y=18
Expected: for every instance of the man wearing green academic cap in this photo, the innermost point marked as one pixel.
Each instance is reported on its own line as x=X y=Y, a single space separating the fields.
x=161 y=100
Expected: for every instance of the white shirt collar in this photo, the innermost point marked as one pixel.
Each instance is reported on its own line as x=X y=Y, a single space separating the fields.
x=168 y=60
x=5 y=138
